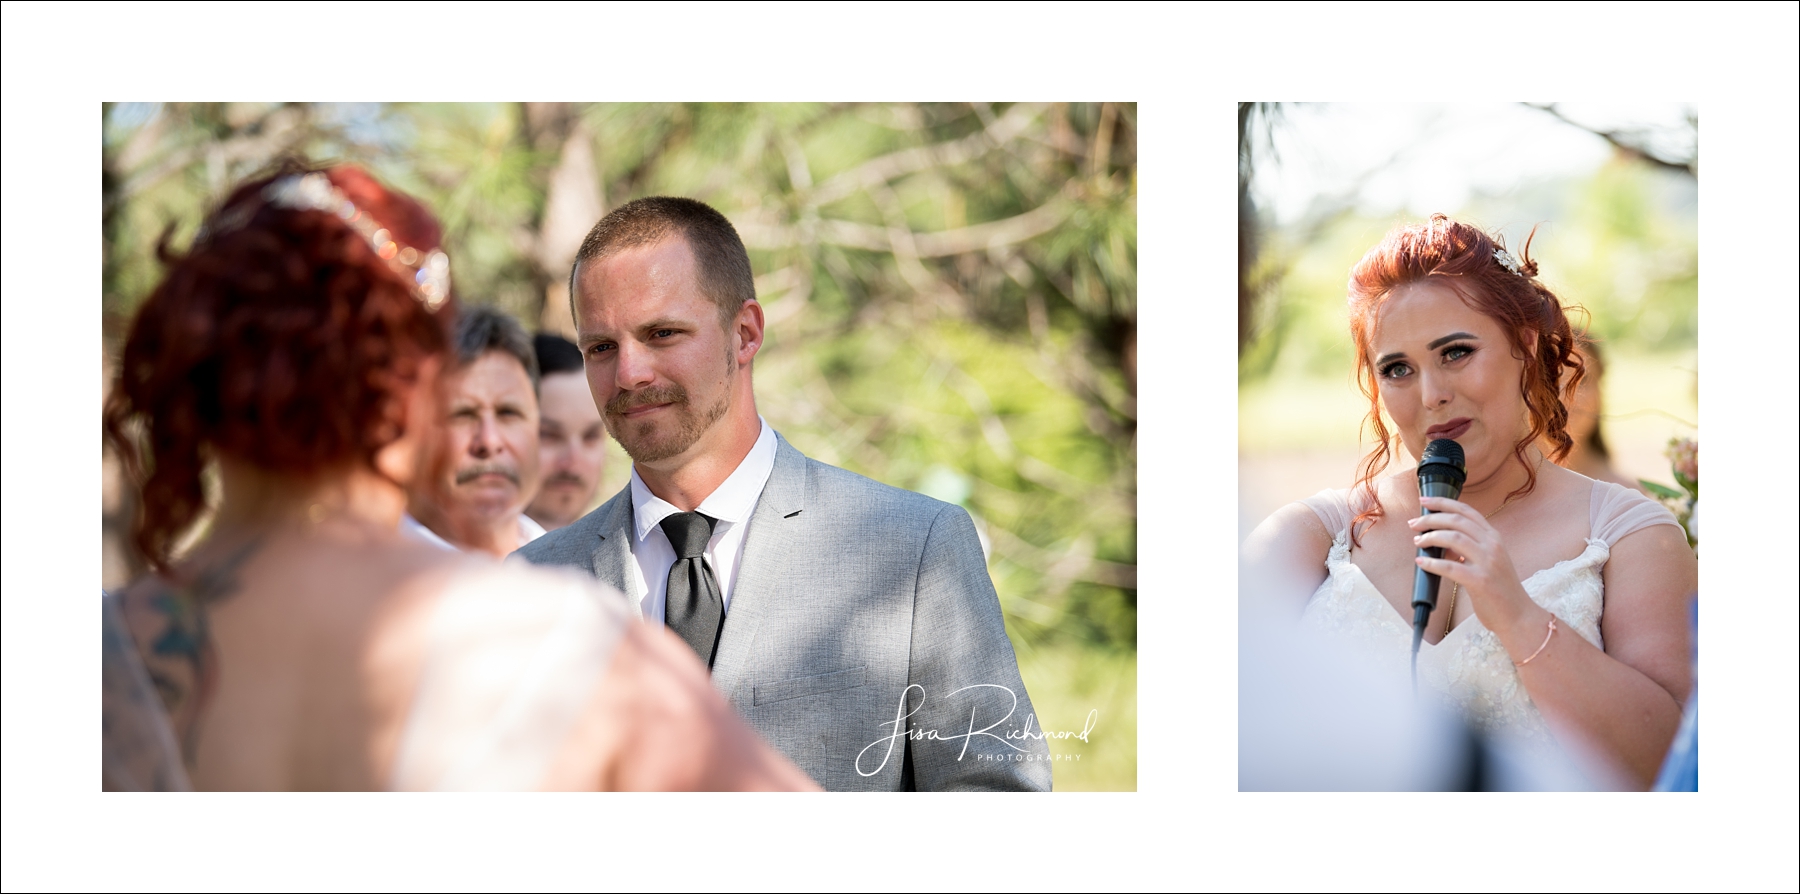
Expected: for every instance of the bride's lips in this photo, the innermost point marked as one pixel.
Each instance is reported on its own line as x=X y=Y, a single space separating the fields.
x=1453 y=429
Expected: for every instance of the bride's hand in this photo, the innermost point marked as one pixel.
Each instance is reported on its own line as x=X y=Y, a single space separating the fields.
x=1486 y=572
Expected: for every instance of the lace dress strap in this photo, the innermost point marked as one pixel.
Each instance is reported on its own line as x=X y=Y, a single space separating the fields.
x=1615 y=511
x=1333 y=509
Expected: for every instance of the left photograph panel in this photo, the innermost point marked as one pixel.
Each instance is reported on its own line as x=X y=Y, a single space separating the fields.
x=619 y=446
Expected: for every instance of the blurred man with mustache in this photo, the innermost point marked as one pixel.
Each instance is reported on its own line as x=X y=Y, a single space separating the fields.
x=571 y=435
x=853 y=624
x=490 y=439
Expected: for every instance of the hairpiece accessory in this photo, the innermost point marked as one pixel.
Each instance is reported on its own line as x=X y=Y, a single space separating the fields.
x=1540 y=649
x=314 y=191
x=1506 y=259
x=428 y=271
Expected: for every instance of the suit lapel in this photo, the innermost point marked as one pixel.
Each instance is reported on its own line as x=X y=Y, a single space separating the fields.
x=773 y=536
x=611 y=560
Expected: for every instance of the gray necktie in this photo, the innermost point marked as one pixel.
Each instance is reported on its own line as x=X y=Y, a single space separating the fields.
x=695 y=607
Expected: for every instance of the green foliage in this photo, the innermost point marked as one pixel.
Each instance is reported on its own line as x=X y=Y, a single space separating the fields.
x=1075 y=690
x=1684 y=464
x=1620 y=246
x=1631 y=256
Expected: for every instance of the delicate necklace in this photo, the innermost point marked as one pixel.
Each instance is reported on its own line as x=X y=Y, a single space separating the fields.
x=1450 y=614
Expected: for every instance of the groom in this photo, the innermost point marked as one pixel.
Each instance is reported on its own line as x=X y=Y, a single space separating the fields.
x=851 y=623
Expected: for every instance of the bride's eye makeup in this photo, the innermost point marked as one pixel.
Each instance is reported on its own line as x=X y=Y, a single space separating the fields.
x=1457 y=352
x=1395 y=369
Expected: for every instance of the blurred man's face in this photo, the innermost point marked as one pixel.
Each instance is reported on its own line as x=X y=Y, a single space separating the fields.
x=493 y=438
x=572 y=447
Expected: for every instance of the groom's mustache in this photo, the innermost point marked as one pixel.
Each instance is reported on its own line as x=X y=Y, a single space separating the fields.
x=656 y=394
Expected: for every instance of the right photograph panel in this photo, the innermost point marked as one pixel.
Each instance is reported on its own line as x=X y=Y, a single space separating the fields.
x=1468 y=436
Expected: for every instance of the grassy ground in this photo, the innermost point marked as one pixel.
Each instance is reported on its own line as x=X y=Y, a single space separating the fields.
x=1073 y=689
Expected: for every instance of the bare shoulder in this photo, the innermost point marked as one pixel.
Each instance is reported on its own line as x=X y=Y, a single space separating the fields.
x=1292 y=528
x=1564 y=499
x=1565 y=484
x=404 y=605
x=1656 y=557
x=1283 y=559
x=1649 y=578
x=347 y=587
x=1612 y=476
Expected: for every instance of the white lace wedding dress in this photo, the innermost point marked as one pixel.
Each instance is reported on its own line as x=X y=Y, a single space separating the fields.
x=1469 y=667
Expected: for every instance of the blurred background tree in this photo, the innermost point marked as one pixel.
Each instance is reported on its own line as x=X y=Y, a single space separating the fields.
x=951 y=292
x=1612 y=192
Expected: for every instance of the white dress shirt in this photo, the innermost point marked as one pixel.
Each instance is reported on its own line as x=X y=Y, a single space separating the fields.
x=411 y=527
x=731 y=503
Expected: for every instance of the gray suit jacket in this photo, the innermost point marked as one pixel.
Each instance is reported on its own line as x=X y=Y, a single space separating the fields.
x=864 y=640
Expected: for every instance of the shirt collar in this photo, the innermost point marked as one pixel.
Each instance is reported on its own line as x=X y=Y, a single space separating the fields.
x=529 y=530
x=732 y=502
x=411 y=527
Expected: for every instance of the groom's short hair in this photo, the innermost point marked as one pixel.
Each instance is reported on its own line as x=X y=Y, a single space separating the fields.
x=719 y=255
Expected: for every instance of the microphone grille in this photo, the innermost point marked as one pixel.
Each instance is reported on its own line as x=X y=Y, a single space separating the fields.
x=1443 y=450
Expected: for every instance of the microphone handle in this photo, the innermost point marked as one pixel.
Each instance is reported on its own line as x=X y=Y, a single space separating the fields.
x=1424 y=602
x=1425 y=584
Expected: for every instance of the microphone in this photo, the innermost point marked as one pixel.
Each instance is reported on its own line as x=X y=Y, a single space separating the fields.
x=1441 y=474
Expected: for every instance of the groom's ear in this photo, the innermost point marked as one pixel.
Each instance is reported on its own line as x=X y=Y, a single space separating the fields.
x=747 y=332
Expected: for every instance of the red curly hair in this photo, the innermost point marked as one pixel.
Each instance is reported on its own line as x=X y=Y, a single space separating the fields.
x=280 y=339
x=1464 y=258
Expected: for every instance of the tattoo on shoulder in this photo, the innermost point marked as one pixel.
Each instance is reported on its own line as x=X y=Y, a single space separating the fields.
x=170 y=628
x=138 y=754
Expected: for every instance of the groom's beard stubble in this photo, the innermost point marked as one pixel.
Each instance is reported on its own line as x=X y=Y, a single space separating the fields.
x=640 y=440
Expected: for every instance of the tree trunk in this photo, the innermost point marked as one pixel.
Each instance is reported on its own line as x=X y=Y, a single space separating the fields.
x=573 y=203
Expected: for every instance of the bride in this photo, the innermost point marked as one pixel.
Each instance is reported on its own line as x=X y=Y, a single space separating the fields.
x=1562 y=609
x=302 y=642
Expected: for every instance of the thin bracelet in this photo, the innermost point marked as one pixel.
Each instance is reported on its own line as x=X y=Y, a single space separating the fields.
x=1540 y=649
